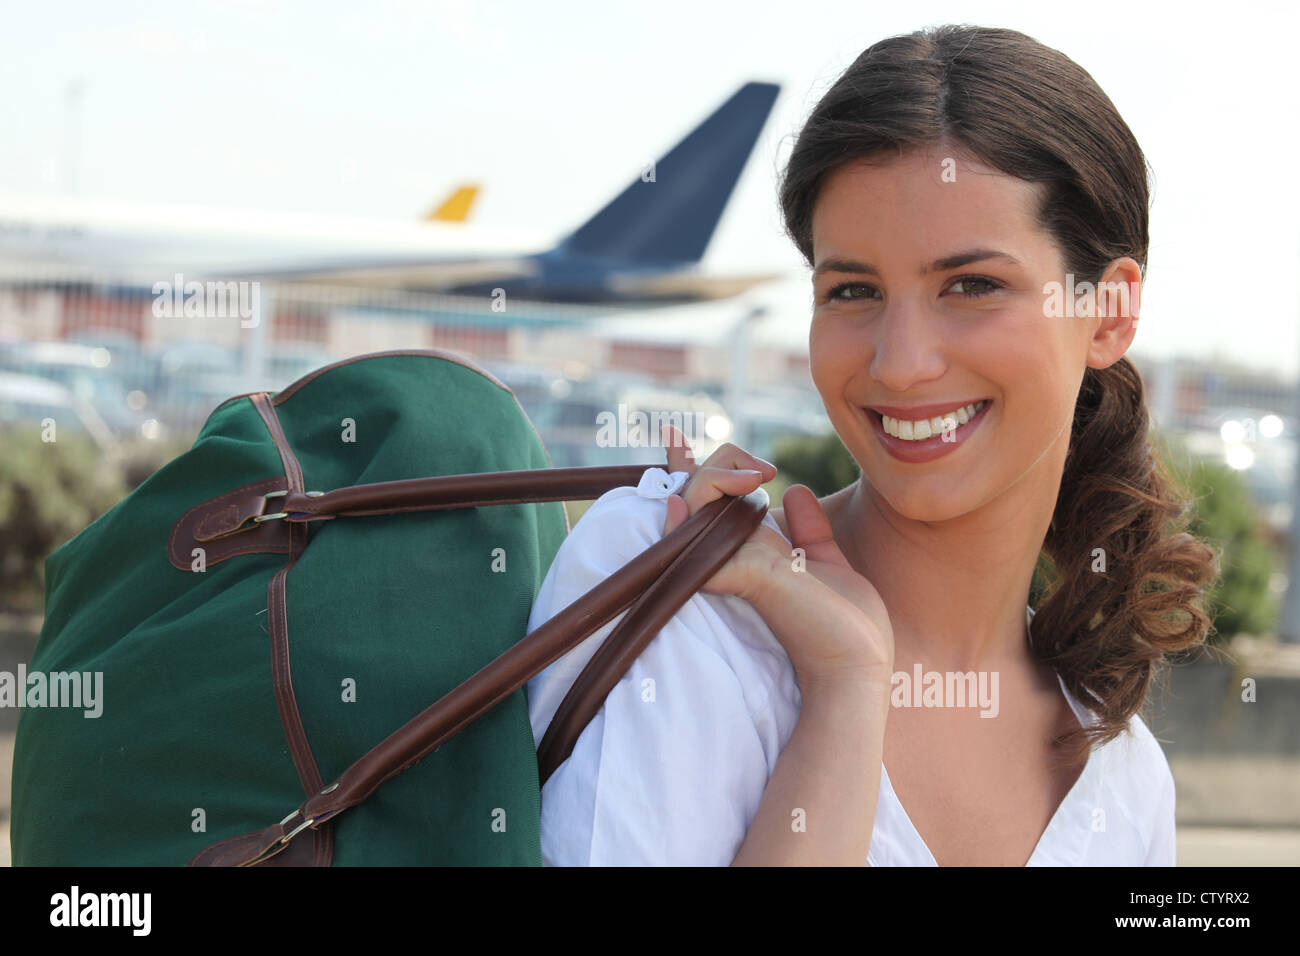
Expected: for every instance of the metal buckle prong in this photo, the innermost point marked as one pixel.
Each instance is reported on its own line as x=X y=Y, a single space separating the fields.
x=302 y=826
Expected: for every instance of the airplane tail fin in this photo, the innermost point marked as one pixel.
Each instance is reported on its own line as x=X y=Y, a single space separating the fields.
x=455 y=208
x=670 y=212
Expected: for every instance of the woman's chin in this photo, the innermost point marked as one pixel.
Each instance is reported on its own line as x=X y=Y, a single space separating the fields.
x=920 y=500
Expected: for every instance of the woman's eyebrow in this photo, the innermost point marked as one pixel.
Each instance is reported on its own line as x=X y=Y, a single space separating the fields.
x=836 y=264
x=966 y=258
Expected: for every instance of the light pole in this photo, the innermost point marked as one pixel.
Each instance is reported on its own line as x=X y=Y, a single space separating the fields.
x=1289 y=624
x=738 y=374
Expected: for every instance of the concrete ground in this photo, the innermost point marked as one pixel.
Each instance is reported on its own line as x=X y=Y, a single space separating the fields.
x=1238 y=846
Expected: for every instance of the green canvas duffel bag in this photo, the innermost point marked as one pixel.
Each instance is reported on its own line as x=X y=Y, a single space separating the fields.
x=332 y=584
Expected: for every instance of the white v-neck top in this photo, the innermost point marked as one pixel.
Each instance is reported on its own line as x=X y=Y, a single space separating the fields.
x=671 y=769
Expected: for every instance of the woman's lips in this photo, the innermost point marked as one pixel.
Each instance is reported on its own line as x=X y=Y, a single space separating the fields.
x=928 y=449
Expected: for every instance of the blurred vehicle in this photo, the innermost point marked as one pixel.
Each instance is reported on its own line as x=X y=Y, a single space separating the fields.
x=612 y=418
x=196 y=377
x=531 y=384
x=85 y=371
x=135 y=368
x=699 y=416
x=566 y=418
x=774 y=414
x=31 y=402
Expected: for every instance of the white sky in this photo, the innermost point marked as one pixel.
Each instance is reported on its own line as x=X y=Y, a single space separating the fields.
x=378 y=108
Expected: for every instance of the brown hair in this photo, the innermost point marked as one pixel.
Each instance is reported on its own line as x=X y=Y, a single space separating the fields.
x=1033 y=113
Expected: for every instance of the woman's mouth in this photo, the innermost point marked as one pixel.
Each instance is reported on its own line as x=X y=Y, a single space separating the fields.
x=918 y=436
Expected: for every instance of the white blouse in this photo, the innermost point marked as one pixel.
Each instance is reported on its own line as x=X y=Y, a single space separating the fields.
x=671 y=769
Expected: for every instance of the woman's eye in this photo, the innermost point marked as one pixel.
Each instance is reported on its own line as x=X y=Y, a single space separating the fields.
x=850 y=290
x=970 y=287
x=974 y=286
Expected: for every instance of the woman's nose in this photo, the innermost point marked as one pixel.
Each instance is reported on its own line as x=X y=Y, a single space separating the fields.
x=906 y=347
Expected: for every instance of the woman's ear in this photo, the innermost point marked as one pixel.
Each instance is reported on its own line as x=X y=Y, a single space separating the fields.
x=1117 y=300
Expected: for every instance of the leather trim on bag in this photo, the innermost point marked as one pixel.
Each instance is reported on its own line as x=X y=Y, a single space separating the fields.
x=288 y=391
x=277 y=612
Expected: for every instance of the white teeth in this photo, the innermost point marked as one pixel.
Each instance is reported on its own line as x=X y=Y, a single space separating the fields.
x=924 y=428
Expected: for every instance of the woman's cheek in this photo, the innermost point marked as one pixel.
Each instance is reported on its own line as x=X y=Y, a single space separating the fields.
x=1051 y=407
x=832 y=361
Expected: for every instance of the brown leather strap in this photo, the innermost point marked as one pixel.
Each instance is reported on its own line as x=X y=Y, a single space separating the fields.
x=228 y=524
x=462 y=491
x=702 y=532
x=644 y=619
x=278 y=620
x=292 y=470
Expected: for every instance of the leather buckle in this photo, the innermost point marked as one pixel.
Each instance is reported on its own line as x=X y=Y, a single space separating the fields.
x=282 y=514
x=267 y=497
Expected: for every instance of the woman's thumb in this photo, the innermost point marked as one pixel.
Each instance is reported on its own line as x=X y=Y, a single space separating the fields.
x=810 y=529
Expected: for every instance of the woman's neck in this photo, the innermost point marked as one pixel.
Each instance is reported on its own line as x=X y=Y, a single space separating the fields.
x=956 y=590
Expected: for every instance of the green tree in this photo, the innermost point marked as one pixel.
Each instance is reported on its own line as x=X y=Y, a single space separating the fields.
x=49 y=491
x=1224 y=514
x=819 y=461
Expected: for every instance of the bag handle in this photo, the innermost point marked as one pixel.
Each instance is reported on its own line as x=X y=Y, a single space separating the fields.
x=259 y=518
x=672 y=570
x=460 y=491
x=645 y=618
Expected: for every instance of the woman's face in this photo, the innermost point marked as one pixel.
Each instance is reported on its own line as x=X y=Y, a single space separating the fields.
x=928 y=283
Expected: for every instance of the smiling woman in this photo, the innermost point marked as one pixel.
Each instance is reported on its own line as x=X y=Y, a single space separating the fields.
x=957 y=177
x=944 y=183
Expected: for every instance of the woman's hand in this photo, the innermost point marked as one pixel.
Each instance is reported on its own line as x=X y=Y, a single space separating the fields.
x=830 y=620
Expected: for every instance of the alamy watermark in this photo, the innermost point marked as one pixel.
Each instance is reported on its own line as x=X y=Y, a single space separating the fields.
x=208 y=300
x=922 y=688
x=55 y=689
x=638 y=429
x=1090 y=299
x=76 y=908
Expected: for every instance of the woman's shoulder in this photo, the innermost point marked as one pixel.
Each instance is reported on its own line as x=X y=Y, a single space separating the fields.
x=1132 y=767
x=1134 y=760
x=1143 y=760
x=1125 y=798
